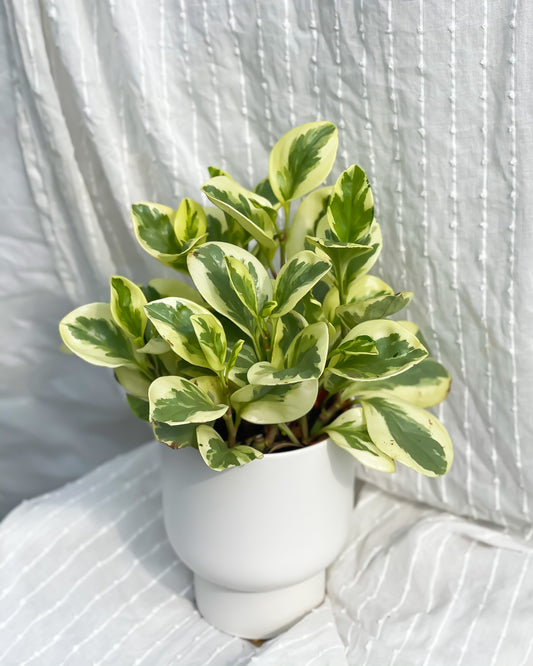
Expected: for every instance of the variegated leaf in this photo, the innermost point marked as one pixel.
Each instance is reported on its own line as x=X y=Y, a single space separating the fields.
x=218 y=455
x=127 y=307
x=340 y=253
x=275 y=404
x=415 y=330
x=234 y=354
x=425 y=384
x=397 y=350
x=172 y=318
x=252 y=211
x=243 y=284
x=296 y=277
x=366 y=286
x=189 y=221
x=302 y=159
x=177 y=401
x=91 y=333
x=408 y=434
x=308 y=215
x=350 y=433
x=208 y=269
x=177 y=437
x=133 y=381
x=361 y=263
x=351 y=206
x=264 y=189
x=246 y=357
x=166 y=287
x=379 y=307
x=286 y=329
x=211 y=386
x=217 y=171
x=211 y=338
x=306 y=358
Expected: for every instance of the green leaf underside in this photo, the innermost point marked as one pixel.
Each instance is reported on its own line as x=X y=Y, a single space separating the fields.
x=275 y=404
x=351 y=206
x=380 y=307
x=216 y=453
x=264 y=189
x=296 y=278
x=306 y=359
x=209 y=272
x=178 y=401
x=133 y=380
x=407 y=436
x=96 y=338
x=425 y=384
x=154 y=227
x=303 y=157
x=174 y=436
x=127 y=314
x=172 y=318
x=212 y=339
x=245 y=206
x=140 y=407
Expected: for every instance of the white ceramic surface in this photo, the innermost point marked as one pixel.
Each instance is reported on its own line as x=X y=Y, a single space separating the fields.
x=258 y=529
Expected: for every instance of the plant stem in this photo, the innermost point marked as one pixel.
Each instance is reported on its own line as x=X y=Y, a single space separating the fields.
x=283 y=238
x=287 y=431
x=271 y=434
x=232 y=430
x=325 y=415
x=304 y=425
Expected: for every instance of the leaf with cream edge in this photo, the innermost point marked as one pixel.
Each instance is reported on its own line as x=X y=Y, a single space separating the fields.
x=379 y=307
x=218 y=455
x=275 y=404
x=306 y=358
x=177 y=401
x=176 y=437
x=302 y=159
x=127 y=307
x=286 y=329
x=133 y=381
x=264 y=189
x=426 y=384
x=252 y=211
x=243 y=284
x=296 y=278
x=91 y=333
x=211 y=338
x=189 y=221
x=351 y=206
x=172 y=319
x=246 y=357
x=408 y=434
x=350 y=433
x=308 y=215
x=397 y=351
x=208 y=270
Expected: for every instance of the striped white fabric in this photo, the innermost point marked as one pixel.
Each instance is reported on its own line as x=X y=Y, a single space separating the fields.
x=87 y=577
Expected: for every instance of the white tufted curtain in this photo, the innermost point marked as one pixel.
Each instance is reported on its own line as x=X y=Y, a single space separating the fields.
x=118 y=101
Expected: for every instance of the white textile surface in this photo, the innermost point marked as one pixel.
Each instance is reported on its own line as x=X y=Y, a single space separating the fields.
x=87 y=576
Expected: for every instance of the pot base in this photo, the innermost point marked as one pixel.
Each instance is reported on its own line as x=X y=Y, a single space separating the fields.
x=258 y=615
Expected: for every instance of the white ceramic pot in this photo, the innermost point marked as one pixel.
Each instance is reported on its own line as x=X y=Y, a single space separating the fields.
x=259 y=537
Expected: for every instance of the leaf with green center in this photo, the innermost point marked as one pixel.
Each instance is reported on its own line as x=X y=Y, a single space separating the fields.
x=306 y=358
x=177 y=437
x=296 y=278
x=408 y=434
x=380 y=307
x=302 y=159
x=275 y=404
x=264 y=189
x=341 y=254
x=139 y=407
x=286 y=329
x=208 y=269
x=232 y=358
x=177 y=401
x=306 y=219
x=398 y=350
x=172 y=319
x=254 y=213
x=415 y=330
x=246 y=357
x=127 y=307
x=211 y=338
x=189 y=221
x=217 y=171
x=350 y=433
x=351 y=207
x=91 y=333
x=361 y=263
x=134 y=381
x=425 y=384
x=218 y=455
x=243 y=284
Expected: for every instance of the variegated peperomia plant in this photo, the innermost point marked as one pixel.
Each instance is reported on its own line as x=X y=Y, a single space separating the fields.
x=252 y=360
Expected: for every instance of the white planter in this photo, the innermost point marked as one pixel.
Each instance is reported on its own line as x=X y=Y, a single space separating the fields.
x=259 y=537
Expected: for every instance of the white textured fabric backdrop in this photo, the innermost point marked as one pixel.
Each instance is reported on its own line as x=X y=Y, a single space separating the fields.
x=121 y=101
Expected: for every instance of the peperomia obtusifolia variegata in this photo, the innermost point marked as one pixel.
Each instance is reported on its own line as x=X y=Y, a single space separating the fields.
x=285 y=338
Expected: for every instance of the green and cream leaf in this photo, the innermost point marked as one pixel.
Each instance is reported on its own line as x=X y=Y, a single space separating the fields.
x=296 y=278
x=211 y=338
x=177 y=401
x=127 y=307
x=189 y=221
x=133 y=381
x=243 y=284
x=306 y=220
x=218 y=455
x=177 y=437
x=275 y=404
x=351 y=206
x=379 y=307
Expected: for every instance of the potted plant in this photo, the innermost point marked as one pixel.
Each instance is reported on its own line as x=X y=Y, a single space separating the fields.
x=275 y=374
